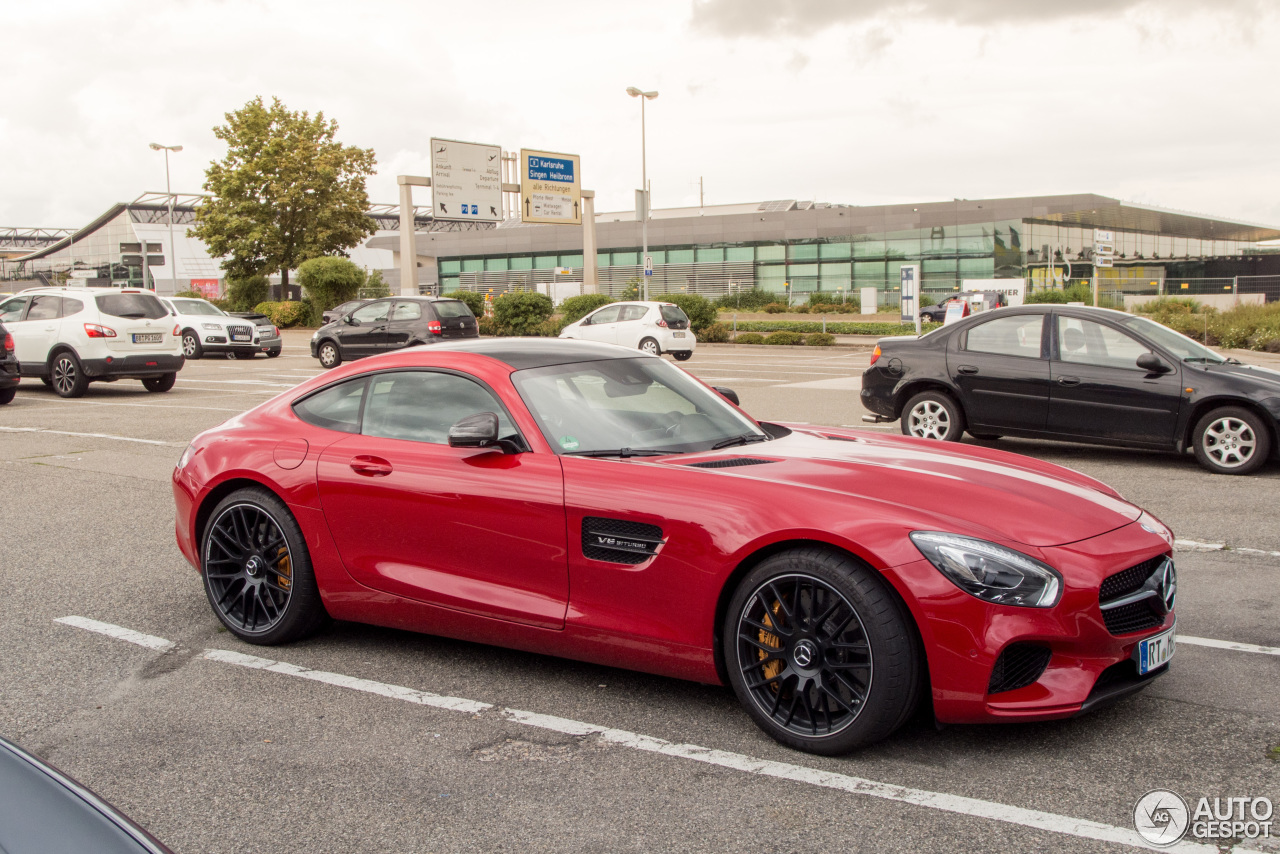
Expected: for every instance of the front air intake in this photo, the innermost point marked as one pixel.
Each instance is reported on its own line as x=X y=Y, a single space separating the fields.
x=1018 y=666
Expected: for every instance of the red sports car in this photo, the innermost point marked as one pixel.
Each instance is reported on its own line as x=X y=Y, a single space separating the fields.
x=586 y=501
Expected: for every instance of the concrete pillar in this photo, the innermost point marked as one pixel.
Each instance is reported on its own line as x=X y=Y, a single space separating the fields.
x=590 y=280
x=408 y=244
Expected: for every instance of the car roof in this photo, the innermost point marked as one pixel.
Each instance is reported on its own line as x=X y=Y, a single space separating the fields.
x=521 y=353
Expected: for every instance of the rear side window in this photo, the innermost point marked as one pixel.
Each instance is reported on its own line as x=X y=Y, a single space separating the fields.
x=451 y=308
x=1016 y=335
x=675 y=316
x=633 y=312
x=407 y=311
x=334 y=408
x=131 y=305
x=71 y=306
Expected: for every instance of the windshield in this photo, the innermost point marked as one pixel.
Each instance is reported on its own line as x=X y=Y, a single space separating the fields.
x=625 y=407
x=131 y=305
x=1175 y=342
x=196 y=306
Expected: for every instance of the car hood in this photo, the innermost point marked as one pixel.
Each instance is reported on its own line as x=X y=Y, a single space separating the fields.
x=962 y=489
x=1263 y=378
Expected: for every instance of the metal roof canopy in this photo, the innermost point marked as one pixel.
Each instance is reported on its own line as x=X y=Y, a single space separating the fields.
x=1112 y=214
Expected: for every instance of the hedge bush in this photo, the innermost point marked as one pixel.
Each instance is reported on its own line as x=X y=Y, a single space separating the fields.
x=1245 y=327
x=522 y=312
x=784 y=337
x=286 y=314
x=1170 y=305
x=818 y=339
x=474 y=301
x=575 y=308
x=699 y=309
x=487 y=325
x=244 y=294
x=329 y=281
x=716 y=333
x=748 y=338
x=838 y=328
x=751 y=300
x=776 y=308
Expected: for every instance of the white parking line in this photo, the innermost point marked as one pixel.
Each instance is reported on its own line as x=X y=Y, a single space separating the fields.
x=1236 y=647
x=974 y=807
x=84 y=435
x=1197 y=546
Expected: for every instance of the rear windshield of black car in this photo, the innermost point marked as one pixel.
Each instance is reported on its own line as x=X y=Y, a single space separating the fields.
x=451 y=308
x=131 y=305
x=675 y=317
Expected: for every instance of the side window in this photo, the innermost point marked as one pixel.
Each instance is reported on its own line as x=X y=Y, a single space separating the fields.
x=334 y=408
x=374 y=312
x=407 y=311
x=423 y=405
x=44 y=307
x=1083 y=342
x=633 y=312
x=1016 y=335
x=608 y=314
x=12 y=309
x=71 y=306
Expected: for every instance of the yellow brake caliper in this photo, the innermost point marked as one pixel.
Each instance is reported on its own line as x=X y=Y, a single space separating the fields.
x=769 y=639
x=284 y=568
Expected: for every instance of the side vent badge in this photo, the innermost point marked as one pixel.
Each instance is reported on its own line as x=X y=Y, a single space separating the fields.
x=619 y=541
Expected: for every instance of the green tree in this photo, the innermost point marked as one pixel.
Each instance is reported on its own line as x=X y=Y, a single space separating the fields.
x=632 y=289
x=521 y=312
x=286 y=192
x=374 y=285
x=244 y=293
x=330 y=281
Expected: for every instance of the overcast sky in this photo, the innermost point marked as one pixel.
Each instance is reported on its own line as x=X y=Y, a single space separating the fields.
x=1170 y=103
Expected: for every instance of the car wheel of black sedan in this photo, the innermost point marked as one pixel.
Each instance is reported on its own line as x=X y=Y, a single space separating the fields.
x=933 y=415
x=683 y=355
x=329 y=354
x=7 y=394
x=1232 y=440
x=820 y=652
x=257 y=571
x=164 y=382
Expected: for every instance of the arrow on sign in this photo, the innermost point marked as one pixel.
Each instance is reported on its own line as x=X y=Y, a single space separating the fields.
x=575 y=210
x=443 y=209
x=526 y=207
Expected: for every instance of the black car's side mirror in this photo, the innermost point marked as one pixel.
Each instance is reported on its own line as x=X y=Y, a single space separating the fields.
x=480 y=431
x=350 y=321
x=1153 y=364
x=728 y=394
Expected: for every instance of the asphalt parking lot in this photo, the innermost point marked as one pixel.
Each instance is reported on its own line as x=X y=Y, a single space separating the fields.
x=370 y=739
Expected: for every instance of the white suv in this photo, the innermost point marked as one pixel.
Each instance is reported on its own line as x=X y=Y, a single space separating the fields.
x=205 y=328
x=69 y=337
x=652 y=327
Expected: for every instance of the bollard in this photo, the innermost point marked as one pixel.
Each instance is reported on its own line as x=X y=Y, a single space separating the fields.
x=824 y=324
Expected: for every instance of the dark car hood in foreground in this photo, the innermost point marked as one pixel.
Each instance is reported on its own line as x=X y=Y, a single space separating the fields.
x=964 y=487
x=1261 y=378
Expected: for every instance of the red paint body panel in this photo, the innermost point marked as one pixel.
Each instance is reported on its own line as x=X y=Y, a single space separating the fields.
x=487 y=547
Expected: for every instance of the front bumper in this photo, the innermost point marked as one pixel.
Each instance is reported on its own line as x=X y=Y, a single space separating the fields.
x=133 y=367
x=1087 y=666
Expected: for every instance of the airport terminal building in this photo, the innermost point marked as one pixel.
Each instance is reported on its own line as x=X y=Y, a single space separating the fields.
x=791 y=247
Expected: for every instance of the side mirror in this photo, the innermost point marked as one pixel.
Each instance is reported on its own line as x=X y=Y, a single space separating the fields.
x=350 y=320
x=480 y=431
x=1153 y=364
x=728 y=394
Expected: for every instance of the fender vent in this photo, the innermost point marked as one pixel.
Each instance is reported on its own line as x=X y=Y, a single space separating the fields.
x=1018 y=666
x=618 y=541
x=732 y=462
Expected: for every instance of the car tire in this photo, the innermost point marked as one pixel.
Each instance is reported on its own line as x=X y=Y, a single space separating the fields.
x=683 y=356
x=933 y=415
x=191 y=347
x=7 y=395
x=164 y=382
x=67 y=376
x=329 y=354
x=801 y=682
x=271 y=354
x=257 y=570
x=650 y=347
x=1231 y=440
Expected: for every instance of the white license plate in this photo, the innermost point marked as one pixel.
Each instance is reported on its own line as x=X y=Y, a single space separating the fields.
x=148 y=337
x=1155 y=652
x=241 y=337
x=677 y=334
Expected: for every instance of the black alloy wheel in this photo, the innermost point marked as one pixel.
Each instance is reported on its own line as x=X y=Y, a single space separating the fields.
x=257 y=572
x=67 y=377
x=819 y=652
x=329 y=354
x=191 y=347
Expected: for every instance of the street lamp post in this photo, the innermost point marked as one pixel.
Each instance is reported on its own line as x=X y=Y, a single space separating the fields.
x=644 y=187
x=173 y=255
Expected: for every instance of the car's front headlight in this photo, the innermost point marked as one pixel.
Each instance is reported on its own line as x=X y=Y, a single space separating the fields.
x=216 y=327
x=990 y=572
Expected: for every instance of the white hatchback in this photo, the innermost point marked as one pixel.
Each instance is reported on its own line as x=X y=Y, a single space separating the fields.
x=69 y=337
x=651 y=327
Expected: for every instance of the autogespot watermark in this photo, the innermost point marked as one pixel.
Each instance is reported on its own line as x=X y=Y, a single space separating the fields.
x=1162 y=818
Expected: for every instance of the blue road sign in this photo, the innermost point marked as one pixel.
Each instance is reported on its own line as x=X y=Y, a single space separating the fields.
x=551 y=169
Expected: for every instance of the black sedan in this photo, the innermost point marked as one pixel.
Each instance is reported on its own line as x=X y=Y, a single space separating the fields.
x=392 y=324
x=8 y=366
x=1077 y=374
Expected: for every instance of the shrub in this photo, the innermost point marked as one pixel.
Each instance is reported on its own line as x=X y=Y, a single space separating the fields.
x=286 y=314
x=776 y=308
x=576 y=308
x=486 y=325
x=817 y=339
x=752 y=300
x=748 y=338
x=521 y=312
x=474 y=301
x=927 y=300
x=699 y=309
x=850 y=307
x=375 y=287
x=330 y=281
x=716 y=333
x=1170 y=305
x=784 y=338
x=632 y=289
x=244 y=294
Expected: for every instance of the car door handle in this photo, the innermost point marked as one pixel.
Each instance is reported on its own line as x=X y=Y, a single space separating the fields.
x=1068 y=381
x=968 y=369
x=370 y=466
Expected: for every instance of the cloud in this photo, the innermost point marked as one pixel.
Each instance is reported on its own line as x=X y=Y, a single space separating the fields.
x=732 y=18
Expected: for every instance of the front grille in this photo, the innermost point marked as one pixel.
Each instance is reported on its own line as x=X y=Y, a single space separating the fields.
x=619 y=541
x=1135 y=616
x=729 y=463
x=1018 y=666
x=240 y=331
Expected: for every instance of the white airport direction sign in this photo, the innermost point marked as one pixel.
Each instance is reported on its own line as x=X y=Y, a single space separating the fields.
x=466 y=181
x=550 y=187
